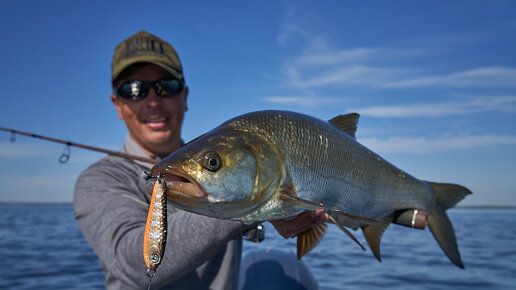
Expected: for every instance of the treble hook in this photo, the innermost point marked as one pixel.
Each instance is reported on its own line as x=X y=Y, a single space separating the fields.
x=65 y=156
x=13 y=137
x=148 y=175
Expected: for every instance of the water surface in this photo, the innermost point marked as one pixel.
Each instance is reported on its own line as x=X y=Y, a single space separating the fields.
x=41 y=247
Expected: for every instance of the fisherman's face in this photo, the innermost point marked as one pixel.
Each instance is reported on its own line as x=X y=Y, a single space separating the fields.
x=153 y=122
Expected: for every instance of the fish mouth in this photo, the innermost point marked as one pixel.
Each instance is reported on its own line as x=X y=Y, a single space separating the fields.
x=181 y=186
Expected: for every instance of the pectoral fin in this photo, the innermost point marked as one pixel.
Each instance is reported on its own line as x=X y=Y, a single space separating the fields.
x=348 y=233
x=310 y=205
x=310 y=238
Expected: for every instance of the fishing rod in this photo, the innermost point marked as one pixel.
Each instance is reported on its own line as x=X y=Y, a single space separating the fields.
x=66 y=153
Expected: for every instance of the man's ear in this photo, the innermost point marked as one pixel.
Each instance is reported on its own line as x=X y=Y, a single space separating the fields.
x=118 y=107
x=185 y=93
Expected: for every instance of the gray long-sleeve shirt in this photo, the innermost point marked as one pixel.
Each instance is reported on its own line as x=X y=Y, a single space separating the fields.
x=111 y=204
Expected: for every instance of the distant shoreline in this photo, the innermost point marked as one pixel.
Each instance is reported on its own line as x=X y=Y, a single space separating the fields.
x=34 y=203
x=4 y=203
x=486 y=206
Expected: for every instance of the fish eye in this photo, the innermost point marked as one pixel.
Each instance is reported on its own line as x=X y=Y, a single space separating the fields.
x=212 y=161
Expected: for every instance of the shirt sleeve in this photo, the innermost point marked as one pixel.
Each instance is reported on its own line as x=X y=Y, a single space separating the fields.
x=111 y=211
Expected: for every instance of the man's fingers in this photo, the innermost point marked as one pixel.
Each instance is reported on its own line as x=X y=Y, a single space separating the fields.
x=320 y=216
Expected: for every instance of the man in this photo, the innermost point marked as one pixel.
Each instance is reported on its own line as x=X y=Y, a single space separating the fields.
x=111 y=199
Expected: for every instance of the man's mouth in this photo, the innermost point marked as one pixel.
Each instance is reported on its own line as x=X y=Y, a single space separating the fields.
x=156 y=120
x=156 y=123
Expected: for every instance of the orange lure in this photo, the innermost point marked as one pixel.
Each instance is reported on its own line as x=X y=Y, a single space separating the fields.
x=156 y=228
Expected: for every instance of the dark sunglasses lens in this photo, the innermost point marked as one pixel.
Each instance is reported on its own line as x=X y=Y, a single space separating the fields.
x=132 y=90
x=169 y=87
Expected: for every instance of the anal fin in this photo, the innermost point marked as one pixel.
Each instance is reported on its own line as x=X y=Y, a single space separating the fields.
x=310 y=238
x=373 y=235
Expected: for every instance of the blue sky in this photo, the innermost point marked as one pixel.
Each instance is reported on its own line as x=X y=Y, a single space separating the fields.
x=434 y=82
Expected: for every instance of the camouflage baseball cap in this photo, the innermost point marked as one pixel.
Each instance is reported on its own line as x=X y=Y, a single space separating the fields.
x=145 y=47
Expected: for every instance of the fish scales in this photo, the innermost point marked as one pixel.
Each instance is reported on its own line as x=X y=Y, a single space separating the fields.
x=329 y=166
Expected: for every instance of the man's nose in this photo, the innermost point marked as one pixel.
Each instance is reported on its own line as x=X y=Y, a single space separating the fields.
x=152 y=97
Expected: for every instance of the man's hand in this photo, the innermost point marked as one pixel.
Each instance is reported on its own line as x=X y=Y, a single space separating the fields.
x=291 y=227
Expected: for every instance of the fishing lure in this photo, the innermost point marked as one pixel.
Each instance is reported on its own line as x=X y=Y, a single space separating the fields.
x=156 y=227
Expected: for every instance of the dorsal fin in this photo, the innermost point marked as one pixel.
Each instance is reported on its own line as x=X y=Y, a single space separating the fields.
x=347 y=123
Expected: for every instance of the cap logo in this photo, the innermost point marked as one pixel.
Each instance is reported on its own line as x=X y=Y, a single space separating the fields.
x=142 y=43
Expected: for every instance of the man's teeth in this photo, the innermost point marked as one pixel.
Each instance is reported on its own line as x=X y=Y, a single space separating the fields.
x=157 y=120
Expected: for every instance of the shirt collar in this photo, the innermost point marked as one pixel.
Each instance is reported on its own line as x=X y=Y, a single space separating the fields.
x=131 y=147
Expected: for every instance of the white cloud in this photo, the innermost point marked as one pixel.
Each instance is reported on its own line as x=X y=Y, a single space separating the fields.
x=479 y=77
x=475 y=105
x=396 y=66
x=325 y=58
x=302 y=101
x=21 y=150
x=294 y=25
x=339 y=76
x=340 y=69
x=48 y=181
x=322 y=64
x=18 y=150
x=424 y=145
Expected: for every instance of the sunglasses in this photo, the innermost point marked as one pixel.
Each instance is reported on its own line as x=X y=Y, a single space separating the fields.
x=137 y=90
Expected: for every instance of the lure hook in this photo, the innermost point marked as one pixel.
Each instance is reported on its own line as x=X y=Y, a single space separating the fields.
x=65 y=156
x=150 y=273
x=148 y=175
x=13 y=137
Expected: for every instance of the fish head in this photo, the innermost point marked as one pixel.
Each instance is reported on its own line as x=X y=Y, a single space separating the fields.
x=224 y=173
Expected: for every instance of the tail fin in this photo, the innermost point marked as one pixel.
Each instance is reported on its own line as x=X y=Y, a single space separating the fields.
x=447 y=196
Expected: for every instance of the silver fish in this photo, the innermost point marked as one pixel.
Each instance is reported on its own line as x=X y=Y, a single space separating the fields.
x=275 y=164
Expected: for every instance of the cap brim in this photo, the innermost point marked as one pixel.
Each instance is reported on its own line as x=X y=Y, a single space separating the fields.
x=146 y=59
